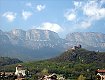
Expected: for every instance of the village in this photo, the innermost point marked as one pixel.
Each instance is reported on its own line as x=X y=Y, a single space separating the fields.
x=20 y=74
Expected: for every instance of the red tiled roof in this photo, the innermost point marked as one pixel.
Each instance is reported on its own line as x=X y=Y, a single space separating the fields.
x=101 y=71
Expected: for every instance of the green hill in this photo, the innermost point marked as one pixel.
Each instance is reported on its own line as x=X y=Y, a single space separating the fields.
x=81 y=56
x=8 y=61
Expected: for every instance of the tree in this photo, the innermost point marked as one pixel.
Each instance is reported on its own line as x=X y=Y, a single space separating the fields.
x=81 y=77
x=44 y=71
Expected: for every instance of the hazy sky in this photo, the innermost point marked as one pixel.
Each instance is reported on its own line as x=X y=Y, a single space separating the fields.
x=61 y=16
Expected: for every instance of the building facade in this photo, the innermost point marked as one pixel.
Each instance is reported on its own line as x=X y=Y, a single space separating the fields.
x=20 y=72
x=100 y=74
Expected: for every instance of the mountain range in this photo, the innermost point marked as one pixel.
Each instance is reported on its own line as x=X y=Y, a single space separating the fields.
x=35 y=44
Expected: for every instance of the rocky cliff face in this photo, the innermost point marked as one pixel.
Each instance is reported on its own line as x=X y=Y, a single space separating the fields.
x=3 y=38
x=31 y=44
x=33 y=35
x=87 y=39
x=33 y=38
x=41 y=35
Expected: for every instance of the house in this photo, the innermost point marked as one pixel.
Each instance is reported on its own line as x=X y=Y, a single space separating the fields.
x=100 y=74
x=53 y=77
x=49 y=77
x=6 y=74
x=20 y=71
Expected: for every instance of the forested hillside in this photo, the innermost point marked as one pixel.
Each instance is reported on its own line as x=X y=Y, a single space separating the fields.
x=8 y=61
x=70 y=64
x=81 y=56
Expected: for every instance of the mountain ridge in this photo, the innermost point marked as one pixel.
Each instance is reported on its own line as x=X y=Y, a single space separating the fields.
x=33 y=48
x=41 y=44
x=87 y=39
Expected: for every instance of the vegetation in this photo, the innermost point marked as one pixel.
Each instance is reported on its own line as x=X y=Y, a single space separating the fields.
x=7 y=61
x=81 y=77
x=78 y=64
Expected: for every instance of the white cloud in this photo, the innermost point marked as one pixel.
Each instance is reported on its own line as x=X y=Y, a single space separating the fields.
x=94 y=10
x=10 y=16
x=40 y=7
x=26 y=14
x=70 y=15
x=77 y=3
x=85 y=13
x=85 y=24
x=29 y=4
x=51 y=26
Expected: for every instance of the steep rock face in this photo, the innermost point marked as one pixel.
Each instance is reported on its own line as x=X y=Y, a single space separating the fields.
x=3 y=38
x=41 y=38
x=33 y=38
x=87 y=39
x=41 y=35
x=31 y=45
x=17 y=34
x=33 y=35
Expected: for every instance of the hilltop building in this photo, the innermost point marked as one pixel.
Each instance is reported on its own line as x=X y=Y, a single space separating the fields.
x=76 y=47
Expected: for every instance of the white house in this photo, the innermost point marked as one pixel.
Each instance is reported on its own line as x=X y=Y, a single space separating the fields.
x=20 y=72
x=100 y=74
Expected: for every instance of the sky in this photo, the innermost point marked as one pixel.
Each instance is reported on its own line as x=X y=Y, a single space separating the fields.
x=60 y=16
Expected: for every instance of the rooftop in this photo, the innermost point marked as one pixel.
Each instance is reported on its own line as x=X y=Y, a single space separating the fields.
x=102 y=71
